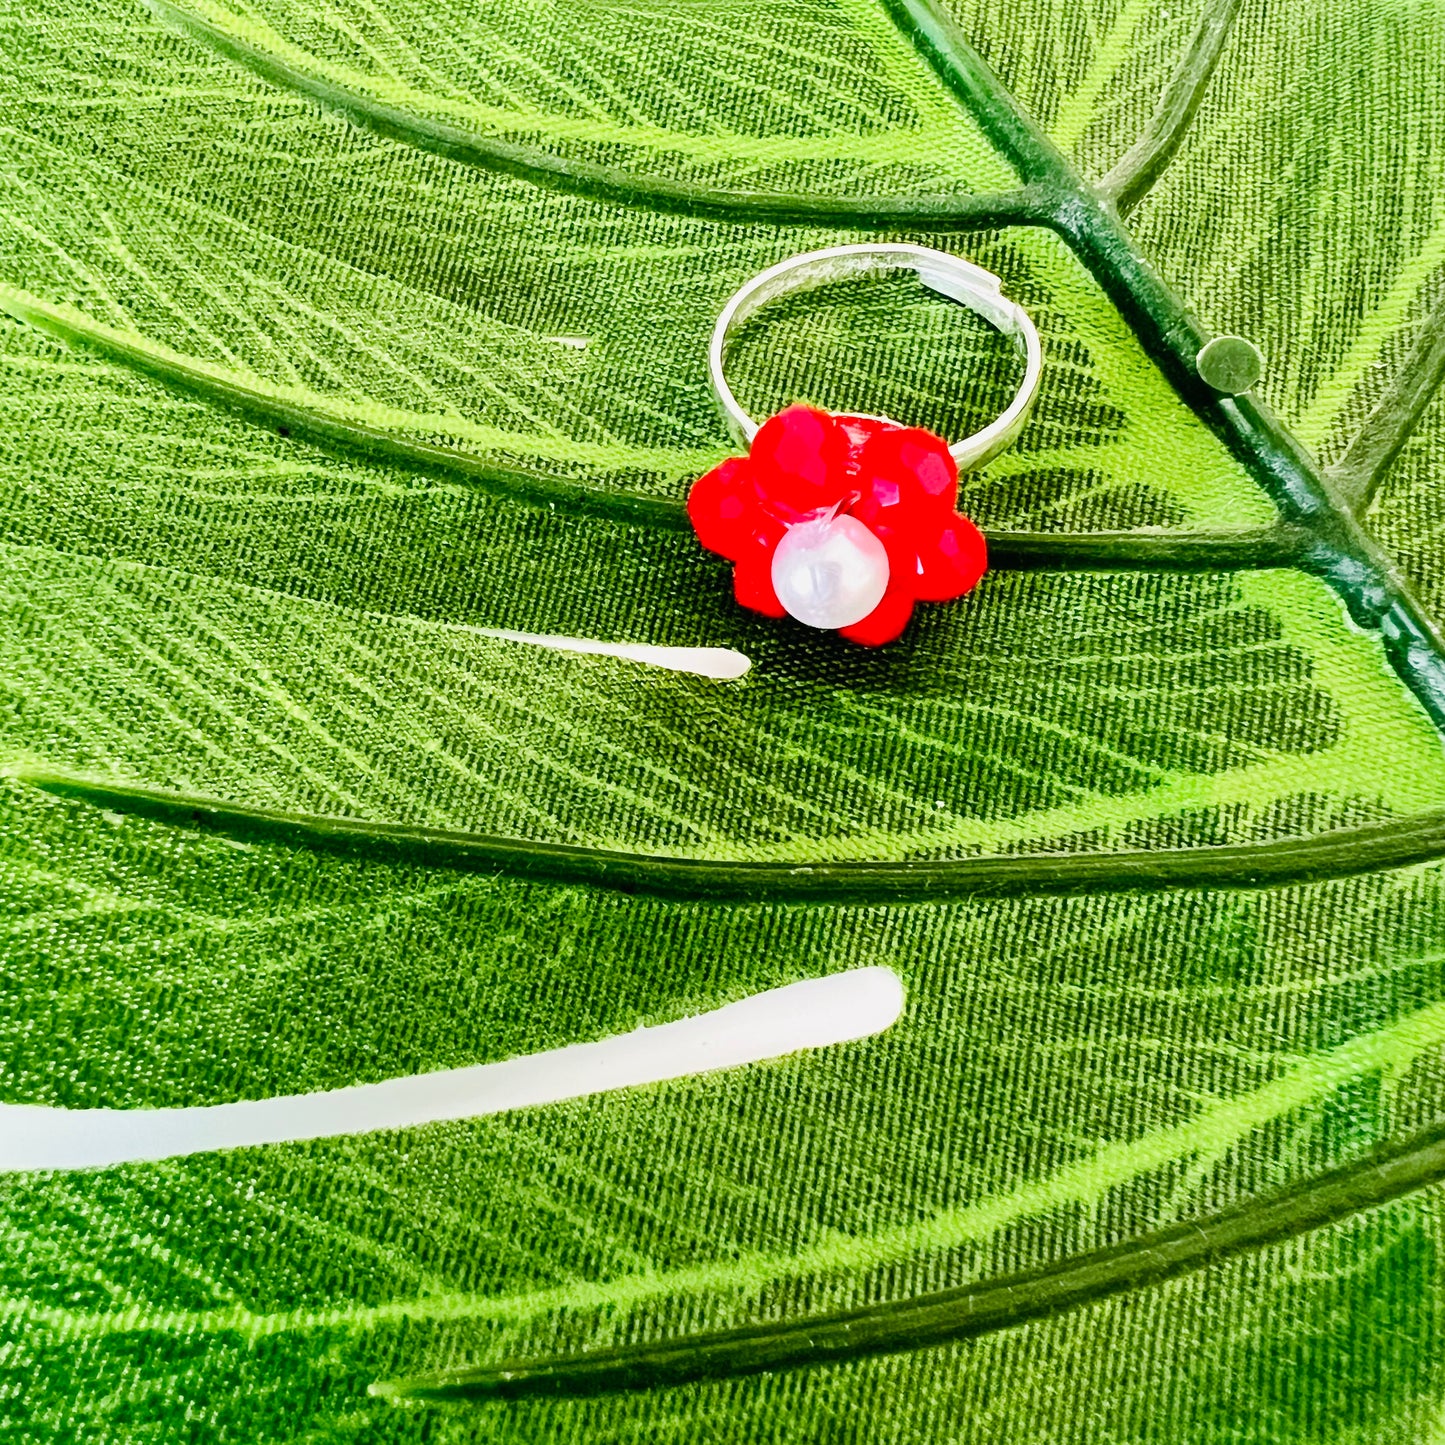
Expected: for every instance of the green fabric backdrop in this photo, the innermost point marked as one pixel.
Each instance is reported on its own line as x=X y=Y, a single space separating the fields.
x=302 y=397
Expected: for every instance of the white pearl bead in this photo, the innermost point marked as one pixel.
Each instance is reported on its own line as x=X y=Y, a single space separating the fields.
x=831 y=572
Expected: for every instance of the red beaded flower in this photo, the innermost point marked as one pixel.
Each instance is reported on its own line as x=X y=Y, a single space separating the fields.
x=805 y=464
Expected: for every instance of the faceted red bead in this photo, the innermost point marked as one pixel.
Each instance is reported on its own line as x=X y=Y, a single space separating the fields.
x=886 y=621
x=952 y=562
x=901 y=544
x=753 y=584
x=717 y=508
x=726 y=513
x=800 y=461
x=906 y=468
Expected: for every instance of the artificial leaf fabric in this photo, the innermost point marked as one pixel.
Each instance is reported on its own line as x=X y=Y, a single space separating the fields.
x=349 y=349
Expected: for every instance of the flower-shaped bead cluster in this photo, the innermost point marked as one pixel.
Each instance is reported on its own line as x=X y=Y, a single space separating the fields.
x=805 y=464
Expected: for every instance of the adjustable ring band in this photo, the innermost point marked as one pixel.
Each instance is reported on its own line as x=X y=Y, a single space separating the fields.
x=981 y=291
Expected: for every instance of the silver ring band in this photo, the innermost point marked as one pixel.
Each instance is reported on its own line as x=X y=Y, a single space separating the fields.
x=981 y=291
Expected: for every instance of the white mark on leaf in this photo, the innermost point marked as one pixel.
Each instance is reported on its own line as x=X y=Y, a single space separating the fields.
x=814 y=1013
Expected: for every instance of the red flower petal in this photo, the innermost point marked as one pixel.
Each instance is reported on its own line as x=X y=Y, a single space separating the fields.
x=725 y=513
x=753 y=583
x=799 y=461
x=717 y=508
x=901 y=545
x=952 y=562
x=886 y=621
x=906 y=477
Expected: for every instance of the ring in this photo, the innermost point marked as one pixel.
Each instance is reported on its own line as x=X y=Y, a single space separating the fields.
x=971 y=286
x=844 y=521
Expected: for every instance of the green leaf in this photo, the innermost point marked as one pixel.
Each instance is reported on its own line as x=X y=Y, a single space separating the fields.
x=1087 y=82
x=1408 y=512
x=1318 y=266
x=307 y=414
x=1228 y=697
x=413 y=312
x=828 y=100
x=1242 y=1046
